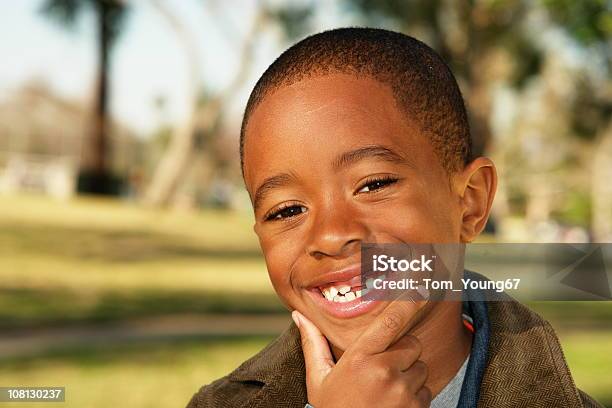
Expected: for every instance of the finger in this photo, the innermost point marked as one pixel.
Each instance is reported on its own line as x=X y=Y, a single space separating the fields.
x=407 y=341
x=403 y=353
x=317 y=355
x=424 y=397
x=416 y=376
x=395 y=321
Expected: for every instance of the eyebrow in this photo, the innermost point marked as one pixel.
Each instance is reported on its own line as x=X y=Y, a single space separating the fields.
x=343 y=160
x=367 y=152
x=279 y=180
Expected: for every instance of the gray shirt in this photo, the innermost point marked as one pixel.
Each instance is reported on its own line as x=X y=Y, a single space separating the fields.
x=449 y=396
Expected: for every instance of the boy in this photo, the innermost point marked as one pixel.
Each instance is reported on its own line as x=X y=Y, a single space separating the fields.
x=359 y=136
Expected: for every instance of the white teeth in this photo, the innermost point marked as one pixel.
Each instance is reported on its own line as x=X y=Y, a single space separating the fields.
x=348 y=297
x=327 y=294
x=343 y=293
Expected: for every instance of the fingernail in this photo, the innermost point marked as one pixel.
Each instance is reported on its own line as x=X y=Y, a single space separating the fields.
x=295 y=315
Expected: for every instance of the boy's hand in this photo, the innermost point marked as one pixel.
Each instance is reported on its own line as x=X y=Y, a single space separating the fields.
x=377 y=370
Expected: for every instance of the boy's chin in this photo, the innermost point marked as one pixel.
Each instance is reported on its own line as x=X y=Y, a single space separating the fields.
x=341 y=338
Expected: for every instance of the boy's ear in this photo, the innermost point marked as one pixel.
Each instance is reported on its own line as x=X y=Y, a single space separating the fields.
x=476 y=185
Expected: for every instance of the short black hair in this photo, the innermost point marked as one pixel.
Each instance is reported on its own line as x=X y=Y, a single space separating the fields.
x=421 y=82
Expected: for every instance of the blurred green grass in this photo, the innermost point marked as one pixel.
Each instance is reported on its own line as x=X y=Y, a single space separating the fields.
x=95 y=260
x=133 y=375
x=167 y=374
x=92 y=261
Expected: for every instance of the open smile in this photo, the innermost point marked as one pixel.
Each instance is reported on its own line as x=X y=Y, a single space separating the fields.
x=342 y=293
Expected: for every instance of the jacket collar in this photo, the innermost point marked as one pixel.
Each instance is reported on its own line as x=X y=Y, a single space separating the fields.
x=525 y=365
x=280 y=369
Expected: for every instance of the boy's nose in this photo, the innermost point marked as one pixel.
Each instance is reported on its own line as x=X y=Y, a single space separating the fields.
x=338 y=234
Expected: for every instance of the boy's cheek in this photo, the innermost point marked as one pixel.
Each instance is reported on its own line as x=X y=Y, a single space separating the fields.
x=283 y=291
x=282 y=284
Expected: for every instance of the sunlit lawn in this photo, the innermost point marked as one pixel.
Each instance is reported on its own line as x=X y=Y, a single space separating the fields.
x=90 y=260
x=103 y=260
x=166 y=375
x=142 y=375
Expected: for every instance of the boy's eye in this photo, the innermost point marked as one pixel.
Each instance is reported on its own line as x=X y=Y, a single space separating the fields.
x=376 y=184
x=286 y=212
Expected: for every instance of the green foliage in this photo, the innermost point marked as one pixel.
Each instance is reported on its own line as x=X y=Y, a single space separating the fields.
x=491 y=23
x=530 y=57
x=576 y=209
x=294 y=18
x=409 y=12
x=592 y=111
x=63 y=11
x=67 y=12
x=588 y=21
x=517 y=200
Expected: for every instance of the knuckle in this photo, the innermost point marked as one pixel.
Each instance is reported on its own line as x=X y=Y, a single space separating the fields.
x=401 y=391
x=392 y=321
x=424 y=397
x=413 y=343
x=384 y=373
x=421 y=368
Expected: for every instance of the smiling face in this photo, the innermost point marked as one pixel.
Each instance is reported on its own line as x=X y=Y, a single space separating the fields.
x=332 y=162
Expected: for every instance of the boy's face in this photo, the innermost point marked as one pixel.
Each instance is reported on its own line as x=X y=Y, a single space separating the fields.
x=332 y=162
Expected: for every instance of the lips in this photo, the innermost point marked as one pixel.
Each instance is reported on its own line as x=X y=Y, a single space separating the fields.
x=341 y=293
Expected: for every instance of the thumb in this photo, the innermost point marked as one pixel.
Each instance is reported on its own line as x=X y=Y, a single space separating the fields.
x=317 y=355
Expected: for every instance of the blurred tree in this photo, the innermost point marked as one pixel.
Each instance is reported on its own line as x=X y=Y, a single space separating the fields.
x=588 y=21
x=174 y=159
x=469 y=34
x=95 y=175
x=206 y=110
x=601 y=188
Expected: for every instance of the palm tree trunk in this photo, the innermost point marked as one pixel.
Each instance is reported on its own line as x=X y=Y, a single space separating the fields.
x=101 y=107
x=95 y=177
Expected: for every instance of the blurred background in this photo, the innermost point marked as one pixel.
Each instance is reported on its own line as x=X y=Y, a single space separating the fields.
x=129 y=272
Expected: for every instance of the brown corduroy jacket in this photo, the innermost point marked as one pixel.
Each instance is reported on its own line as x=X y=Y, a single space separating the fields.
x=525 y=368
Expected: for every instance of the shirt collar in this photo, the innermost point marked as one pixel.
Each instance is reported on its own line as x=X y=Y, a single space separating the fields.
x=475 y=306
